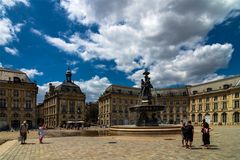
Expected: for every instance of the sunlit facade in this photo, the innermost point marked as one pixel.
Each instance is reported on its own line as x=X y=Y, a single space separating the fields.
x=216 y=101
x=17 y=99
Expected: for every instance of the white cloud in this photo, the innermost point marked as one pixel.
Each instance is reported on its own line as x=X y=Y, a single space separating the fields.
x=1 y=64
x=101 y=66
x=18 y=27
x=73 y=63
x=31 y=72
x=189 y=67
x=4 y=4
x=12 y=51
x=74 y=70
x=11 y=3
x=35 y=31
x=92 y=88
x=42 y=89
x=136 y=34
x=61 y=44
x=6 y=31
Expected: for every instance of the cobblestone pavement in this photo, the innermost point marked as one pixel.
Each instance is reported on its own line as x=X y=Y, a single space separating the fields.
x=225 y=144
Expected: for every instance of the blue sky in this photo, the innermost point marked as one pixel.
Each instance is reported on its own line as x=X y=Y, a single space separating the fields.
x=111 y=42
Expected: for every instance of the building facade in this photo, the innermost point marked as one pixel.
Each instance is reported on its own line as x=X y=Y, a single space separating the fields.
x=176 y=102
x=63 y=105
x=216 y=101
x=17 y=99
x=115 y=101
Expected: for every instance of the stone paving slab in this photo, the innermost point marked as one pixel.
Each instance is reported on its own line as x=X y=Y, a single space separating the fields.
x=225 y=145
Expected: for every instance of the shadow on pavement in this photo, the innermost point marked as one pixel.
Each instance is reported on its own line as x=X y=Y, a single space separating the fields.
x=28 y=143
x=46 y=143
x=212 y=147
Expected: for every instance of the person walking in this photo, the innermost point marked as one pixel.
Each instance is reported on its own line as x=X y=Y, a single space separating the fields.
x=189 y=135
x=183 y=131
x=23 y=132
x=41 y=133
x=205 y=134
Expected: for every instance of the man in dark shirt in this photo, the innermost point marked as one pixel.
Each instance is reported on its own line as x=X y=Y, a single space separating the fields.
x=189 y=134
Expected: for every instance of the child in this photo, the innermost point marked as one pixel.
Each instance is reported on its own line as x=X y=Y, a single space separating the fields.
x=41 y=133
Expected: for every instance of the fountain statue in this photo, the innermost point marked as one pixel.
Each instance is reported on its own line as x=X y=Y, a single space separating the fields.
x=145 y=107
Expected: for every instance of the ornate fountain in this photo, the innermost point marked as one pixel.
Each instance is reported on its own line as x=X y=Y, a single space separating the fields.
x=146 y=122
x=145 y=107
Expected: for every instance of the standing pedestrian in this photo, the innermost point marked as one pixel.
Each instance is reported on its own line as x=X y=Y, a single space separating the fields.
x=183 y=131
x=205 y=134
x=189 y=135
x=41 y=133
x=23 y=132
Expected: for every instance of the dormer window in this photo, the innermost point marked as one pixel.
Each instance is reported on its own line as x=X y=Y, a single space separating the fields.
x=209 y=89
x=16 y=80
x=195 y=92
x=226 y=86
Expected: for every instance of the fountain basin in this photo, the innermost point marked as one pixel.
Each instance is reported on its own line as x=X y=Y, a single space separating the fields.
x=162 y=129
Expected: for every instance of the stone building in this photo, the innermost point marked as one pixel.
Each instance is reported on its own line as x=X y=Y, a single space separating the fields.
x=114 y=103
x=63 y=105
x=217 y=101
x=17 y=99
x=176 y=102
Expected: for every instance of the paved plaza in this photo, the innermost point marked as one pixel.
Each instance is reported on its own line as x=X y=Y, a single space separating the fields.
x=225 y=144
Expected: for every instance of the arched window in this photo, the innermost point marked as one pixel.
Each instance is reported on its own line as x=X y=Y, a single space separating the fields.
x=200 y=117
x=193 y=117
x=215 y=117
x=3 y=115
x=224 y=117
x=178 y=119
x=15 y=115
x=28 y=115
x=72 y=117
x=236 y=116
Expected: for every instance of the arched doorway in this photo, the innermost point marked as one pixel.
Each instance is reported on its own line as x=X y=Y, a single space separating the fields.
x=178 y=119
x=15 y=124
x=29 y=122
x=224 y=117
x=193 y=117
x=236 y=117
x=199 y=117
x=215 y=117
